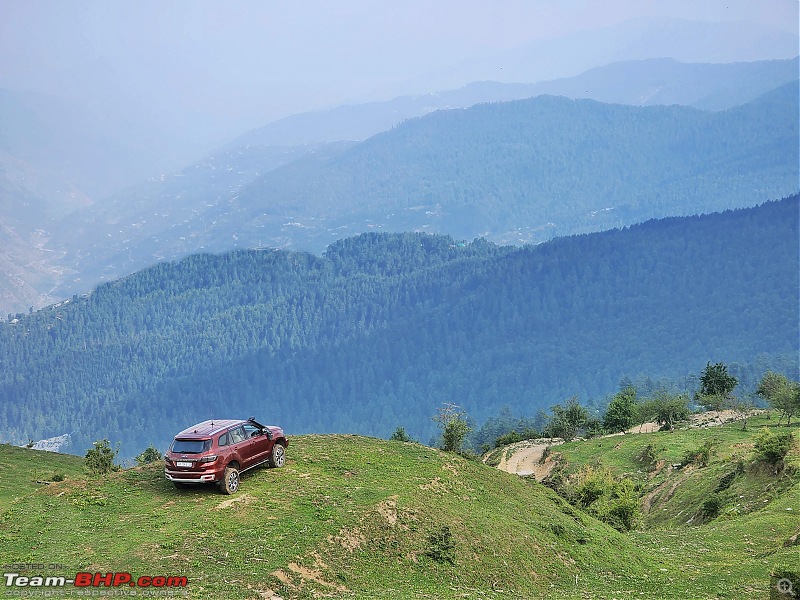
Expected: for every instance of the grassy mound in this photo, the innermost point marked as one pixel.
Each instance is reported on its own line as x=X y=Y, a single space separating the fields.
x=347 y=517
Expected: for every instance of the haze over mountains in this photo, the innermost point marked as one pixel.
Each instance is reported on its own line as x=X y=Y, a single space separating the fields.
x=639 y=83
x=341 y=217
x=247 y=195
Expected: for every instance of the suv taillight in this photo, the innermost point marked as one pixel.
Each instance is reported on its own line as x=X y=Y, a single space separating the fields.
x=208 y=459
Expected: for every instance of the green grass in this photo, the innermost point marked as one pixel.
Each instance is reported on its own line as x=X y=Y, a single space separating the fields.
x=23 y=471
x=348 y=516
x=730 y=555
x=355 y=517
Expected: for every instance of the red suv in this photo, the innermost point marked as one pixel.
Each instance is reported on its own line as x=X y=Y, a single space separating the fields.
x=219 y=450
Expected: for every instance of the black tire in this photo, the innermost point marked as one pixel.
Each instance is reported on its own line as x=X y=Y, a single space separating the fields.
x=229 y=484
x=277 y=458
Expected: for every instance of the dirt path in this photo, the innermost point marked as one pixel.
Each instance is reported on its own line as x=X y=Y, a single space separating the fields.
x=525 y=458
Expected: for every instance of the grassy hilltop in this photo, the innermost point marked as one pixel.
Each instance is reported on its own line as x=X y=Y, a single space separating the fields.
x=357 y=517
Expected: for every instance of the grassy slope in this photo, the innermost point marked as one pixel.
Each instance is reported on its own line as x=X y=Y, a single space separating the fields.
x=351 y=517
x=728 y=556
x=21 y=469
x=348 y=516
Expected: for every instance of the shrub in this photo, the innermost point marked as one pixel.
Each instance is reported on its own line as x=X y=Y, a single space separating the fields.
x=712 y=505
x=591 y=484
x=100 y=459
x=699 y=456
x=400 y=435
x=441 y=546
x=623 y=507
x=613 y=501
x=150 y=455
x=773 y=447
x=647 y=455
x=57 y=477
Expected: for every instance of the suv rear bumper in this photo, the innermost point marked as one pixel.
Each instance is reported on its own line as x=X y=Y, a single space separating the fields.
x=182 y=477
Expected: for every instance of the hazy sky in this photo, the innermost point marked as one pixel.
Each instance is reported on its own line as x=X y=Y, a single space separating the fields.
x=236 y=64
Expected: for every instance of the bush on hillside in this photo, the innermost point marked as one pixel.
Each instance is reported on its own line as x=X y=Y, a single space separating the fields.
x=400 y=435
x=612 y=500
x=441 y=546
x=647 y=455
x=773 y=447
x=713 y=505
x=150 y=455
x=100 y=458
x=698 y=456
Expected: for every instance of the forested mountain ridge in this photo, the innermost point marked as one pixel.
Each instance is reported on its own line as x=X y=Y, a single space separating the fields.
x=522 y=171
x=549 y=163
x=383 y=328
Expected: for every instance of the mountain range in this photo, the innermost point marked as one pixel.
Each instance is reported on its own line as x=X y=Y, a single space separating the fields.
x=515 y=172
x=47 y=257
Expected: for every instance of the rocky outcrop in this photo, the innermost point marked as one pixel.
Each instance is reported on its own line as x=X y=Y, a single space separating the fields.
x=53 y=444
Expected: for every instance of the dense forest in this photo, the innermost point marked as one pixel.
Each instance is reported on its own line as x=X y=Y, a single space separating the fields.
x=383 y=328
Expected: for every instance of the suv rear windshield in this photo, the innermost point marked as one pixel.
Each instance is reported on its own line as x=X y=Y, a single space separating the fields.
x=191 y=446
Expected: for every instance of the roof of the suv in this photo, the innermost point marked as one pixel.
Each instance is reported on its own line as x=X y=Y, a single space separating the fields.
x=208 y=428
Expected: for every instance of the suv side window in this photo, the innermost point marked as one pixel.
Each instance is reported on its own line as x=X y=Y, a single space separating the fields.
x=223 y=440
x=251 y=431
x=236 y=435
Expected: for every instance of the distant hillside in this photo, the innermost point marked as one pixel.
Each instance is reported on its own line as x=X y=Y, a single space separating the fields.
x=646 y=82
x=533 y=169
x=666 y=81
x=384 y=328
x=633 y=39
x=57 y=158
x=28 y=270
